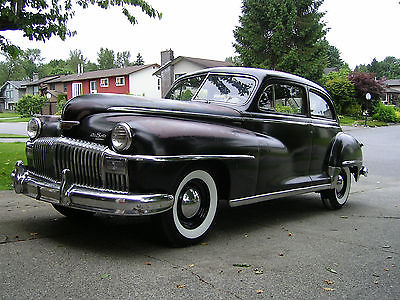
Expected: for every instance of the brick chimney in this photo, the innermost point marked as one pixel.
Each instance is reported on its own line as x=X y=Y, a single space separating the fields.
x=167 y=74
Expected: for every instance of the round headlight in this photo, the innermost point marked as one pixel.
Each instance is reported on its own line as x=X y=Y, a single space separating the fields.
x=121 y=137
x=34 y=127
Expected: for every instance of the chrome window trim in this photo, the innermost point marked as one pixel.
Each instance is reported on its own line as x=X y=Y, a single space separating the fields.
x=273 y=82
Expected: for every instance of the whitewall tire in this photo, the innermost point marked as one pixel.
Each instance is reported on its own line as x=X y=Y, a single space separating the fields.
x=338 y=196
x=194 y=209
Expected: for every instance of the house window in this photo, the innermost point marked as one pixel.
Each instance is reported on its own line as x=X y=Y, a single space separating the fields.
x=76 y=89
x=36 y=90
x=93 y=87
x=52 y=86
x=65 y=87
x=9 y=94
x=104 y=82
x=119 y=81
x=159 y=84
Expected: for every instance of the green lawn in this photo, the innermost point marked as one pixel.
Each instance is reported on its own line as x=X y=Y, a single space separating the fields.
x=4 y=117
x=9 y=154
x=351 y=121
x=7 y=135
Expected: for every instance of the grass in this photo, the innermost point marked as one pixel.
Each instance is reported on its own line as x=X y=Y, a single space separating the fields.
x=4 y=117
x=9 y=154
x=11 y=136
x=352 y=121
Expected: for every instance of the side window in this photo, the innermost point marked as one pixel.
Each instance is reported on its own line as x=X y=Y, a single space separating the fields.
x=186 y=89
x=283 y=98
x=319 y=107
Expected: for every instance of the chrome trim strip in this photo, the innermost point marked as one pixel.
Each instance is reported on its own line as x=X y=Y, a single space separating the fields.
x=88 y=198
x=275 y=195
x=351 y=162
x=262 y=119
x=68 y=124
x=167 y=111
x=177 y=158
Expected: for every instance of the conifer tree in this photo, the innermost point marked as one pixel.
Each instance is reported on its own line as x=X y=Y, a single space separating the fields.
x=285 y=35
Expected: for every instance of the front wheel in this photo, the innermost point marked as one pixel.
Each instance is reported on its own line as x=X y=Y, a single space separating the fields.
x=337 y=197
x=194 y=209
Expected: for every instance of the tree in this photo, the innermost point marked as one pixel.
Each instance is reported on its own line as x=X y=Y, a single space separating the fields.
x=54 y=67
x=286 y=35
x=139 y=60
x=40 y=20
x=22 y=66
x=365 y=83
x=106 y=59
x=389 y=68
x=334 y=60
x=234 y=60
x=75 y=58
x=123 y=59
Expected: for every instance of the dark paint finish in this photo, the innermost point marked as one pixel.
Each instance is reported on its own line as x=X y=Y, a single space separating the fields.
x=290 y=151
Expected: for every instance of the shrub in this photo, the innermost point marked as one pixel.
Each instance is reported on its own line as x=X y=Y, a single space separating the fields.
x=385 y=113
x=29 y=105
x=61 y=101
x=342 y=91
x=352 y=109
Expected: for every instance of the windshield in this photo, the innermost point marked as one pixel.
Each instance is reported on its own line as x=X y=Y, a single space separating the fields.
x=228 y=89
x=185 y=89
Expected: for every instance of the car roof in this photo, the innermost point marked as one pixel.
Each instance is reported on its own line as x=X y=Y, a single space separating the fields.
x=260 y=74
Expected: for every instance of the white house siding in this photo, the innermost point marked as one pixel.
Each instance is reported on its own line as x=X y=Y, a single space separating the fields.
x=15 y=94
x=143 y=83
x=183 y=67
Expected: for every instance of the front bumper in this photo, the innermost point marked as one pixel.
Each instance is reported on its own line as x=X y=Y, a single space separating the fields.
x=87 y=198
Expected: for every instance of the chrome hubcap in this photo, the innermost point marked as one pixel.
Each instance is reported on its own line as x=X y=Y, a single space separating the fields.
x=190 y=203
x=339 y=184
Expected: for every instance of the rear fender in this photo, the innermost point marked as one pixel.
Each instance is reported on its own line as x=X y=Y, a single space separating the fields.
x=345 y=152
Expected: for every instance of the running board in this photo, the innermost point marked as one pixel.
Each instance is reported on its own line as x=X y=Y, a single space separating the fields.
x=276 y=195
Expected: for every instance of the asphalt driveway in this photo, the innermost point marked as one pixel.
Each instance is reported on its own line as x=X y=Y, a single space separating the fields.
x=288 y=248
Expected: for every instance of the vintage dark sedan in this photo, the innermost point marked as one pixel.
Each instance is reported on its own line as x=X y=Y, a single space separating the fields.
x=239 y=135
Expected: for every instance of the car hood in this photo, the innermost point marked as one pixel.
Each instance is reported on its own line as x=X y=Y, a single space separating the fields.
x=82 y=106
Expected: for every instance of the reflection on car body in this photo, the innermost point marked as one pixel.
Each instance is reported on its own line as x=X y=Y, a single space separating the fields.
x=239 y=135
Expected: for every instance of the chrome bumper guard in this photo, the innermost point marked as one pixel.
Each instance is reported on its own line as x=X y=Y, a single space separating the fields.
x=87 y=198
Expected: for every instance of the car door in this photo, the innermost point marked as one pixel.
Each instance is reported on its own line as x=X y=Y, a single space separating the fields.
x=280 y=117
x=324 y=127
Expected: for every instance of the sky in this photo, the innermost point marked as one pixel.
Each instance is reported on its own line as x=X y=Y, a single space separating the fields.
x=360 y=29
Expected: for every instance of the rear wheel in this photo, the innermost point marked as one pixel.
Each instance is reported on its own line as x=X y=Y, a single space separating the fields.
x=72 y=212
x=194 y=209
x=337 y=197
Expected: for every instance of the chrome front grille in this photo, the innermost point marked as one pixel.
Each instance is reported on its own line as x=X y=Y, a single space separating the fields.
x=48 y=157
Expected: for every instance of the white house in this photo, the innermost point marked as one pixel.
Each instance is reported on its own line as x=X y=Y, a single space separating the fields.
x=172 y=68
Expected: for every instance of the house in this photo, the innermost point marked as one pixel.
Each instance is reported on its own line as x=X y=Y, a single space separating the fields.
x=172 y=68
x=135 y=80
x=41 y=87
x=392 y=92
x=10 y=92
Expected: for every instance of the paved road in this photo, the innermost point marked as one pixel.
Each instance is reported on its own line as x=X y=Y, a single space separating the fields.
x=294 y=247
x=13 y=128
